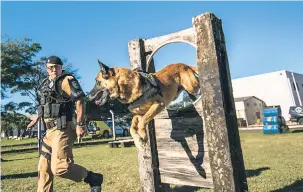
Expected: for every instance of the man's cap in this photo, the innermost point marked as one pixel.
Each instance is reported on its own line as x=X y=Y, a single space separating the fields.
x=54 y=60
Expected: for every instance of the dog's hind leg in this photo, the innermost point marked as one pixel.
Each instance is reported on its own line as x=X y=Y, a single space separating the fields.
x=150 y=114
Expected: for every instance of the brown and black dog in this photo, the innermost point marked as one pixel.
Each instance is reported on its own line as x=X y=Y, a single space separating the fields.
x=127 y=87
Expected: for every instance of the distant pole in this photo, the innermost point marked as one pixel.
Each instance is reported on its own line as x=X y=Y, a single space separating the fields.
x=39 y=135
x=114 y=128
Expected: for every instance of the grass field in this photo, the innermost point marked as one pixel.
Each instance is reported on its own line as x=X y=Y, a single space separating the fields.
x=7 y=145
x=7 y=142
x=272 y=162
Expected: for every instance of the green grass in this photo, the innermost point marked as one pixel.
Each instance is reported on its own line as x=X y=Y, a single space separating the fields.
x=13 y=144
x=279 y=156
x=272 y=162
x=5 y=142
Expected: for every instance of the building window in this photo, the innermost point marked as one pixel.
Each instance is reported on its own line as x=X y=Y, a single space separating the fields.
x=259 y=104
x=247 y=104
x=255 y=104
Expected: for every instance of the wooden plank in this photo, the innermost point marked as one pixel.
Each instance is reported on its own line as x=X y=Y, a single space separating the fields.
x=218 y=107
x=191 y=180
x=174 y=158
x=186 y=170
x=178 y=146
x=187 y=174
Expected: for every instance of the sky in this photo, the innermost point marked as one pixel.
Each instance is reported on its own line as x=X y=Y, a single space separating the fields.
x=261 y=37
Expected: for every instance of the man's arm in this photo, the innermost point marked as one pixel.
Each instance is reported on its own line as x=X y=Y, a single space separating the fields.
x=34 y=120
x=80 y=110
x=72 y=88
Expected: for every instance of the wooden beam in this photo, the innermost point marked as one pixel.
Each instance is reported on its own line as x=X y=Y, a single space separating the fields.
x=147 y=152
x=187 y=35
x=219 y=113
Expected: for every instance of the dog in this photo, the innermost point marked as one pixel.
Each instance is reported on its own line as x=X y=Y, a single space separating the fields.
x=147 y=94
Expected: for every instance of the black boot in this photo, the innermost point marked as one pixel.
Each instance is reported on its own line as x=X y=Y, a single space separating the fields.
x=94 y=180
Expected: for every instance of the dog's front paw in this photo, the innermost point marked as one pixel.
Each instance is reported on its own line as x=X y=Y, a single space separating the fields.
x=142 y=133
x=143 y=139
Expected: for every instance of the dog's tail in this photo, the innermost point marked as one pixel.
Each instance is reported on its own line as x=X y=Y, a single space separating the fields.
x=190 y=80
x=195 y=70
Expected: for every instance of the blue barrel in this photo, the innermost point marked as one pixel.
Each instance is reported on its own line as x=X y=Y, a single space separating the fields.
x=271 y=129
x=272 y=112
x=273 y=120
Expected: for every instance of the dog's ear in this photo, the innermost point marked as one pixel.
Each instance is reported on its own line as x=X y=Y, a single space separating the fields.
x=104 y=69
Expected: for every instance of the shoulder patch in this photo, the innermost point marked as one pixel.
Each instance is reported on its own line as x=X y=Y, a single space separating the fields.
x=75 y=85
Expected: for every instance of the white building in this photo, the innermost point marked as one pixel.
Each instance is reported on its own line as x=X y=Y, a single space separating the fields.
x=282 y=88
x=250 y=109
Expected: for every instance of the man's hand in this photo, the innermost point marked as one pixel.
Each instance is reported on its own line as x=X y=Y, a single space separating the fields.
x=80 y=131
x=34 y=119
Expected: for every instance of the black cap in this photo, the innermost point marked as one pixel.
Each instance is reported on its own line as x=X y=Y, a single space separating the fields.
x=54 y=60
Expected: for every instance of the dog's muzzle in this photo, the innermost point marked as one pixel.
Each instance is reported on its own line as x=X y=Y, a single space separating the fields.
x=103 y=98
x=99 y=95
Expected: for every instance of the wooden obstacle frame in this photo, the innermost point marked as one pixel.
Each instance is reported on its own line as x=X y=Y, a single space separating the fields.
x=199 y=145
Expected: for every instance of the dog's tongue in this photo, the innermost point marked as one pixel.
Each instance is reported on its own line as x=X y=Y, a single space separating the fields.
x=97 y=102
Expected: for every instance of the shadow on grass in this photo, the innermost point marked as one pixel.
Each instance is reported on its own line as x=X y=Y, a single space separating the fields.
x=186 y=189
x=255 y=172
x=297 y=186
x=19 y=176
x=297 y=131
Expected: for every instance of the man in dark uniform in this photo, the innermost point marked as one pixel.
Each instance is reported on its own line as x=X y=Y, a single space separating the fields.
x=58 y=95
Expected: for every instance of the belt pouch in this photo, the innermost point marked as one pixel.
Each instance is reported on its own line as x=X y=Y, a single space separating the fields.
x=55 y=110
x=47 y=110
x=63 y=122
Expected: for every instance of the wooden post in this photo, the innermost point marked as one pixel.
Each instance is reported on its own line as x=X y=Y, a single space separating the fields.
x=218 y=106
x=147 y=152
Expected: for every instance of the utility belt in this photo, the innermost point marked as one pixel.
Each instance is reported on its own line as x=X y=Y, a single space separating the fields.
x=60 y=123
x=54 y=111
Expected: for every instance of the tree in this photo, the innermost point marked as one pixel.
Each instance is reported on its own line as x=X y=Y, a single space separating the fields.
x=20 y=72
x=10 y=119
x=16 y=59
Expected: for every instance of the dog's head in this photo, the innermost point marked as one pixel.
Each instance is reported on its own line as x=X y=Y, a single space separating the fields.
x=106 y=86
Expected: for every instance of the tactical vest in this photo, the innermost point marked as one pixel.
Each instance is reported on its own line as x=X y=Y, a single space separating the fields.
x=54 y=103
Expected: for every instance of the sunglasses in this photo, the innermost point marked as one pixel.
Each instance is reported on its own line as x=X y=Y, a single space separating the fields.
x=51 y=68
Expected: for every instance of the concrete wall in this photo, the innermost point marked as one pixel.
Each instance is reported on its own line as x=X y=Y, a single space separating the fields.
x=273 y=88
